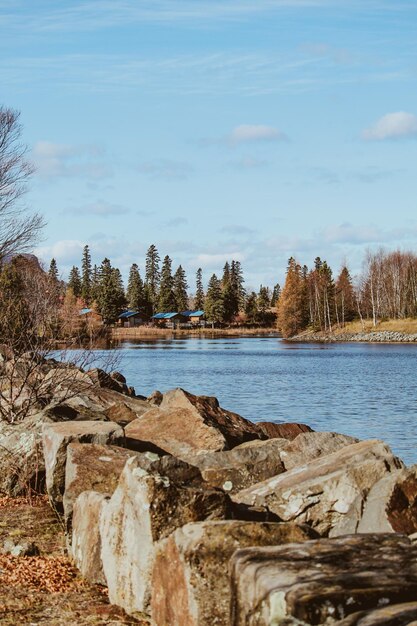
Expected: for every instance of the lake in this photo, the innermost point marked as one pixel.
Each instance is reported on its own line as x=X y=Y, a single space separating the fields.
x=363 y=390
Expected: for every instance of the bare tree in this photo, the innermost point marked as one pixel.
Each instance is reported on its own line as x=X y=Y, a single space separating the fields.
x=18 y=228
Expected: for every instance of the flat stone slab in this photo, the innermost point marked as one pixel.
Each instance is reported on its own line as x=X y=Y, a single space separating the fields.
x=322 y=581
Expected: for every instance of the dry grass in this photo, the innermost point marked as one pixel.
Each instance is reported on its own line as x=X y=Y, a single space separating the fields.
x=46 y=589
x=407 y=326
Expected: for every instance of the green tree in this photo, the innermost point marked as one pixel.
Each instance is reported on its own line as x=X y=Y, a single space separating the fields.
x=180 y=289
x=152 y=275
x=134 y=293
x=237 y=280
x=276 y=292
x=199 y=294
x=292 y=306
x=111 y=298
x=251 y=308
x=86 y=276
x=53 y=271
x=214 y=301
x=74 y=281
x=16 y=324
x=345 y=305
x=166 y=302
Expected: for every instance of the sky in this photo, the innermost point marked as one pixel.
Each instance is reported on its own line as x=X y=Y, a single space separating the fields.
x=217 y=129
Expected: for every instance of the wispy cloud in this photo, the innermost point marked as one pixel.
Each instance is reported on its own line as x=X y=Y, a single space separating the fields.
x=397 y=125
x=165 y=169
x=54 y=160
x=251 y=133
x=101 y=208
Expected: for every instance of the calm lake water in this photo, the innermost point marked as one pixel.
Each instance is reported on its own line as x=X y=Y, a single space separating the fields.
x=364 y=390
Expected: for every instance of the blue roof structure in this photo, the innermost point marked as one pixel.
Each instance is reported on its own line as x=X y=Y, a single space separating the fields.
x=127 y=314
x=163 y=316
x=85 y=311
x=192 y=313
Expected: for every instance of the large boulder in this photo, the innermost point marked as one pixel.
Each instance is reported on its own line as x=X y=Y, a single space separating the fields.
x=143 y=510
x=241 y=467
x=190 y=582
x=94 y=467
x=91 y=467
x=57 y=437
x=391 y=505
x=22 y=465
x=185 y=425
x=322 y=581
x=329 y=492
x=310 y=445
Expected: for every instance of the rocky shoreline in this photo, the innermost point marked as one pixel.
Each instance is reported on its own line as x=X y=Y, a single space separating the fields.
x=191 y=515
x=384 y=336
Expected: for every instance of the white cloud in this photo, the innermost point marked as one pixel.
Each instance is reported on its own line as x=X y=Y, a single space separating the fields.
x=392 y=126
x=55 y=160
x=248 y=133
x=216 y=260
x=165 y=169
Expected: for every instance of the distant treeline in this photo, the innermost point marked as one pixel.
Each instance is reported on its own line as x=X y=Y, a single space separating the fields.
x=160 y=289
x=312 y=299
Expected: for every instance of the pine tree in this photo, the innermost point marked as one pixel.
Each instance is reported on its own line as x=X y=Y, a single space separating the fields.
x=237 y=280
x=74 y=281
x=86 y=276
x=251 y=308
x=226 y=274
x=111 y=298
x=95 y=283
x=199 y=294
x=264 y=299
x=134 y=293
x=53 y=271
x=292 y=307
x=180 y=289
x=166 y=302
x=345 y=308
x=152 y=275
x=214 y=301
x=276 y=292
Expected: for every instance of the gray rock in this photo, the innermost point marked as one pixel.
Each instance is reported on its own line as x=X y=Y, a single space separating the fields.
x=143 y=510
x=311 y=445
x=329 y=492
x=57 y=437
x=86 y=540
x=190 y=582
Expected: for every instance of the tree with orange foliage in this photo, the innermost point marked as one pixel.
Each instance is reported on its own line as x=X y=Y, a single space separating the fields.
x=292 y=305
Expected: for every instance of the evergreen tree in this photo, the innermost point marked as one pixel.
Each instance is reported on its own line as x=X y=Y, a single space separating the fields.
x=95 y=283
x=214 y=301
x=226 y=274
x=180 y=289
x=111 y=298
x=166 y=302
x=237 y=280
x=292 y=306
x=276 y=292
x=74 y=281
x=152 y=275
x=199 y=294
x=86 y=278
x=345 y=308
x=17 y=329
x=53 y=271
x=264 y=299
x=251 y=308
x=134 y=293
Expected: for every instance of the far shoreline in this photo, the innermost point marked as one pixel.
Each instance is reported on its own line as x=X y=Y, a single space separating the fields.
x=143 y=332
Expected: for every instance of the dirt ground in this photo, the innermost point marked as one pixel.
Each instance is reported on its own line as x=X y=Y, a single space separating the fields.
x=46 y=589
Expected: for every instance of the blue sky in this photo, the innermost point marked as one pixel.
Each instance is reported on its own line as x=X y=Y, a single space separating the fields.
x=246 y=129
